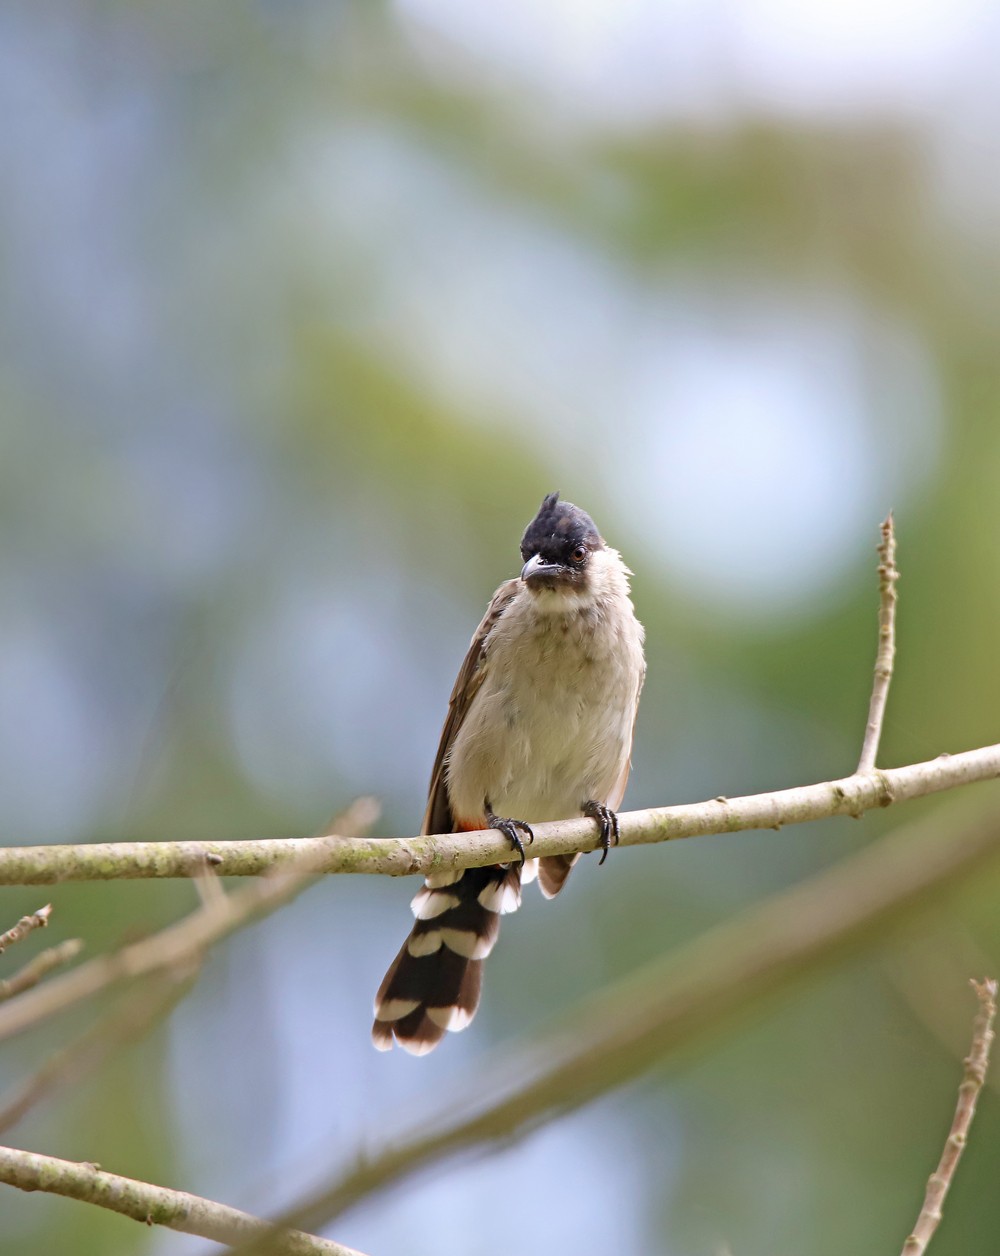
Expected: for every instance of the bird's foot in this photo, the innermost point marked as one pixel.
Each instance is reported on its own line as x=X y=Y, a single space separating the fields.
x=509 y=828
x=608 y=823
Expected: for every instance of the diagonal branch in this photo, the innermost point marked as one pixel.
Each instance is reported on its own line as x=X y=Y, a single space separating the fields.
x=37 y=920
x=886 y=654
x=42 y=964
x=617 y=1034
x=400 y=856
x=173 y=950
x=973 y=1077
x=152 y=1205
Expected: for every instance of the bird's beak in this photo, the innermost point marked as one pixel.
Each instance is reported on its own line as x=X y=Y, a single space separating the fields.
x=537 y=568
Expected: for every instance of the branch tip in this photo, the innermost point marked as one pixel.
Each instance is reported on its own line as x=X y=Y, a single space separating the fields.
x=973 y=1077
x=888 y=576
x=37 y=920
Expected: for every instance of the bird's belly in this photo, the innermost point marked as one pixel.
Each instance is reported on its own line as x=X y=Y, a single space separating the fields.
x=544 y=735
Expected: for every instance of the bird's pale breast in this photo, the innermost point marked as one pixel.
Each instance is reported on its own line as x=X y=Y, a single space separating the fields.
x=551 y=725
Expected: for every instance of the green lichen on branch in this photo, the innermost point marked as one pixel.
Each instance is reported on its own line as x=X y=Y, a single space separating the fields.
x=401 y=856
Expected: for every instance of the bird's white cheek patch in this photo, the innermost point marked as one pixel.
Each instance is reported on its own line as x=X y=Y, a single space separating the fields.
x=424 y=943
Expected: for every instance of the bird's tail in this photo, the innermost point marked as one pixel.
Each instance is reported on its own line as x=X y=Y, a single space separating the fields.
x=553 y=871
x=433 y=984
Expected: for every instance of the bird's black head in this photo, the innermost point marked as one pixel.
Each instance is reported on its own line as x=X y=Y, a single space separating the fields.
x=557 y=545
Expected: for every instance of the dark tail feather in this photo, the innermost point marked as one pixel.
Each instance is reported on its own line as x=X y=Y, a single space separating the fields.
x=553 y=871
x=434 y=983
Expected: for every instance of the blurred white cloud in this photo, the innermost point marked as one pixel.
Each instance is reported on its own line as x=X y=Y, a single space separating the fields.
x=617 y=60
x=770 y=429
x=750 y=431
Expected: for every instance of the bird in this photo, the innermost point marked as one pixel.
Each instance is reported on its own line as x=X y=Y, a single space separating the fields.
x=539 y=727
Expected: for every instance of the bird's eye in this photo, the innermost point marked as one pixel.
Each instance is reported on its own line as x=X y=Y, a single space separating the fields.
x=579 y=553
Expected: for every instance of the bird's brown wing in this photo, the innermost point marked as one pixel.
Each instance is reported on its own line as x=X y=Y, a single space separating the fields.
x=438 y=817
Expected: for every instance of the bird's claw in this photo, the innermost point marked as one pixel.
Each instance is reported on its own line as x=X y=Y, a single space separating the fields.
x=509 y=828
x=607 y=821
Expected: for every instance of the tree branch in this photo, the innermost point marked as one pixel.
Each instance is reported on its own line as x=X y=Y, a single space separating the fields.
x=616 y=1034
x=154 y=1205
x=973 y=1077
x=35 y=969
x=37 y=920
x=174 y=949
x=886 y=653
x=400 y=856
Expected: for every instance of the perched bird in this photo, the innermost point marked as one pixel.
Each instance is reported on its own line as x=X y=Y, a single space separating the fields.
x=539 y=727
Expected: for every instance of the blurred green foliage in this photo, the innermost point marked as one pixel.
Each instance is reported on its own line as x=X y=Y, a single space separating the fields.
x=266 y=454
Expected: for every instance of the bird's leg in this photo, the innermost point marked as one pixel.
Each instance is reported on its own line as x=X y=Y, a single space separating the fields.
x=607 y=821
x=509 y=828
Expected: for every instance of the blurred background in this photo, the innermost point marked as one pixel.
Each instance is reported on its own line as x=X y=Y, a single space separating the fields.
x=304 y=307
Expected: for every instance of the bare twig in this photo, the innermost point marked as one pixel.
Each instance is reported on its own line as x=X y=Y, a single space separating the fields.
x=152 y=1205
x=853 y=795
x=885 y=656
x=43 y=963
x=177 y=946
x=37 y=920
x=616 y=1034
x=208 y=884
x=171 y=948
x=976 y=1065
x=137 y=1012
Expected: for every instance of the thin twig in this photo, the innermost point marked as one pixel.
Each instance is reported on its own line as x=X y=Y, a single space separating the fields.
x=43 y=963
x=973 y=1077
x=152 y=1205
x=886 y=654
x=207 y=883
x=401 y=856
x=37 y=920
x=174 y=948
x=136 y=1014
x=617 y=1034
